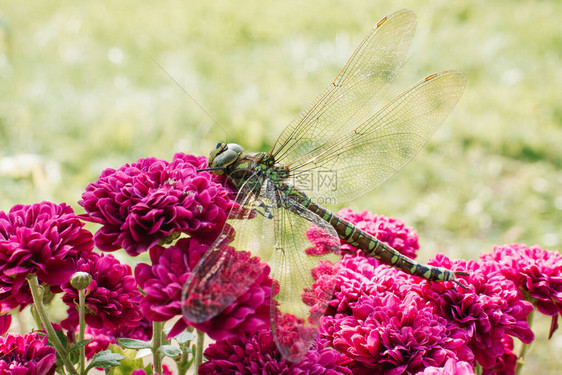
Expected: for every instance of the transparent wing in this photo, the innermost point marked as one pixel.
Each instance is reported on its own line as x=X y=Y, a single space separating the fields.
x=354 y=92
x=294 y=241
x=225 y=272
x=360 y=160
x=303 y=244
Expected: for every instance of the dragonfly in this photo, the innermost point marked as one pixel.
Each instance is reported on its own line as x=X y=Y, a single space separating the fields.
x=340 y=147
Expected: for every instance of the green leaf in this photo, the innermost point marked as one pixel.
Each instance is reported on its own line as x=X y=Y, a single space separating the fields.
x=62 y=337
x=105 y=359
x=169 y=350
x=74 y=356
x=80 y=344
x=184 y=337
x=134 y=343
x=129 y=364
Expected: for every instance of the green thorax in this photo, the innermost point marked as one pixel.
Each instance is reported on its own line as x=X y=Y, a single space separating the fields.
x=246 y=169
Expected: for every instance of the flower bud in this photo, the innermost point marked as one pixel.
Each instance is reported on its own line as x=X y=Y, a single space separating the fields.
x=81 y=280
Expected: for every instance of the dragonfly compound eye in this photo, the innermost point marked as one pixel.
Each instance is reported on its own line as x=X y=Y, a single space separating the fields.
x=225 y=154
x=224 y=159
x=220 y=147
x=235 y=147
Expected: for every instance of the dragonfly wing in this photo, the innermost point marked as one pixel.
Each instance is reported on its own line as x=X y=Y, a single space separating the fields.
x=224 y=272
x=306 y=250
x=384 y=144
x=354 y=92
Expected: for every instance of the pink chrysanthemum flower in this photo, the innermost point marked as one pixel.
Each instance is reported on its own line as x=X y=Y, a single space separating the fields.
x=452 y=367
x=319 y=295
x=387 y=334
x=163 y=280
x=358 y=277
x=112 y=299
x=293 y=336
x=100 y=341
x=26 y=355
x=5 y=323
x=43 y=239
x=379 y=321
x=536 y=272
x=142 y=203
x=389 y=230
x=165 y=371
x=490 y=308
x=259 y=355
x=506 y=364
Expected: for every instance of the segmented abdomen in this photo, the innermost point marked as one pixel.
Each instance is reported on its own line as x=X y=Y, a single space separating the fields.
x=372 y=246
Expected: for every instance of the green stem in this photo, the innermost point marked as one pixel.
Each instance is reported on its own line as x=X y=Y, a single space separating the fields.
x=51 y=334
x=524 y=347
x=157 y=328
x=82 y=331
x=35 y=316
x=183 y=363
x=199 y=351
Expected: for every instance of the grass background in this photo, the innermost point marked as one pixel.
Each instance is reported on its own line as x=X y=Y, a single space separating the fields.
x=79 y=93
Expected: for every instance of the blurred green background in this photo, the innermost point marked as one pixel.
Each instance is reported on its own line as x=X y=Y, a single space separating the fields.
x=79 y=93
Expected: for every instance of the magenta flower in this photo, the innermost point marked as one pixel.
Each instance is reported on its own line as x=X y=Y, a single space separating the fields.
x=389 y=230
x=378 y=320
x=452 y=367
x=534 y=271
x=112 y=298
x=142 y=203
x=100 y=341
x=359 y=277
x=319 y=295
x=165 y=371
x=5 y=323
x=43 y=239
x=259 y=355
x=387 y=334
x=293 y=336
x=489 y=309
x=163 y=280
x=26 y=355
x=506 y=364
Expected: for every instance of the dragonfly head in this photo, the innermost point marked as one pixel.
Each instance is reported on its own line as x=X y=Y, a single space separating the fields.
x=224 y=155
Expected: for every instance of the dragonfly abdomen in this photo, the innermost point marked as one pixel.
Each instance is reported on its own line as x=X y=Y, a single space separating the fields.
x=371 y=245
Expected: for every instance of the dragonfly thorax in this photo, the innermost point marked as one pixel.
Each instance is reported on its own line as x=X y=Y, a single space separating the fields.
x=232 y=160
